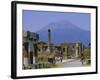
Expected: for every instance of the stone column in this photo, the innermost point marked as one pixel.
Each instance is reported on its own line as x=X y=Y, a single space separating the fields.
x=25 y=55
x=77 y=50
x=31 y=52
x=35 y=53
x=65 y=53
x=49 y=40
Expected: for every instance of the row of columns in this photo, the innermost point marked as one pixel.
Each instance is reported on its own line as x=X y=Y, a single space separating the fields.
x=77 y=50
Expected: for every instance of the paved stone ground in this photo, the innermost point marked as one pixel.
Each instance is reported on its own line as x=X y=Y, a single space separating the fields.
x=72 y=63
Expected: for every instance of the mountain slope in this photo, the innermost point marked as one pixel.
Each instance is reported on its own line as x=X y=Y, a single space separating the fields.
x=64 y=32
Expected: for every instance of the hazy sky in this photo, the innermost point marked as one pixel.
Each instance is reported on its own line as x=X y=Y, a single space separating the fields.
x=35 y=20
